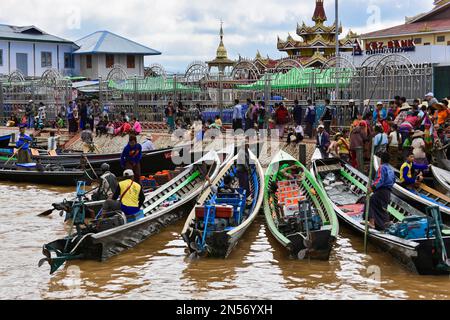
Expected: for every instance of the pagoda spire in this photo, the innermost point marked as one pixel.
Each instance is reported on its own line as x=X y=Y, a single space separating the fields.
x=221 y=50
x=319 y=13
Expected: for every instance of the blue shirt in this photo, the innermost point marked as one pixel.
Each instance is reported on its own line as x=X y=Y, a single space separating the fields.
x=383 y=114
x=237 y=112
x=133 y=155
x=385 y=178
x=24 y=142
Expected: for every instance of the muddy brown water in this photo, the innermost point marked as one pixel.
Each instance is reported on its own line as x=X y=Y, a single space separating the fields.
x=159 y=268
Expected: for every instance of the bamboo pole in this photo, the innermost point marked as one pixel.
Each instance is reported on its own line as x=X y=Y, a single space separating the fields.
x=369 y=184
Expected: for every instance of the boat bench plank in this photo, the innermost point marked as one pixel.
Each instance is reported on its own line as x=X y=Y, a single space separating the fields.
x=174 y=191
x=435 y=192
x=395 y=213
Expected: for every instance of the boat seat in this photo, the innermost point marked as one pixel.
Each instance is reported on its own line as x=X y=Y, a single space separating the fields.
x=52 y=153
x=135 y=217
x=220 y=211
x=353 y=210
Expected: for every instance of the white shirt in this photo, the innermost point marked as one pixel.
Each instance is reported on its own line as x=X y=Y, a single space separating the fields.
x=51 y=143
x=148 y=146
x=417 y=146
x=299 y=129
x=394 y=139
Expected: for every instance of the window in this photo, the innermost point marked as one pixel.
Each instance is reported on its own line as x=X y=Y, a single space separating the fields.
x=89 y=61
x=427 y=44
x=131 y=62
x=418 y=40
x=440 y=39
x=1 y=57
x=46 y=59
x=68 y=61
x=109 y=61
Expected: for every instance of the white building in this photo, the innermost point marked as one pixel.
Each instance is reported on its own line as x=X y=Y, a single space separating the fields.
x=33 y=51
x=99 y=52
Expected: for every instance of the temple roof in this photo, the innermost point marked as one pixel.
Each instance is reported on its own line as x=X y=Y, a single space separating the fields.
x=319 y=12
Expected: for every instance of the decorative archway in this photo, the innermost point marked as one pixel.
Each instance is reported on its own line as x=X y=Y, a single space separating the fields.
x=51 y=77
x=339 y=62
x=155 y=70
x=117 y=73
x=245 y=70
x=196 y=71
x=16 y=76
x=287 y=64
x=395 y=62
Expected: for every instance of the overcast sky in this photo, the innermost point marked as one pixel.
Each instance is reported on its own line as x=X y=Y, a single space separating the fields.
x=187 y=30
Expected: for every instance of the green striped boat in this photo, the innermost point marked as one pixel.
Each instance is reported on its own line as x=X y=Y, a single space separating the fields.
x=311 y=230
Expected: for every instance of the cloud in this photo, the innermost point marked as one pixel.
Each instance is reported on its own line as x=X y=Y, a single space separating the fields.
x=187 y=30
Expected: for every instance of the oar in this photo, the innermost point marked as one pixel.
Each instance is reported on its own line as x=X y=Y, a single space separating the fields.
x=90 y=165
x=14 y=154
x=50 y=211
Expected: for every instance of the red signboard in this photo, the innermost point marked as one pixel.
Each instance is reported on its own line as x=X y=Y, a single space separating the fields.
x=390 y=46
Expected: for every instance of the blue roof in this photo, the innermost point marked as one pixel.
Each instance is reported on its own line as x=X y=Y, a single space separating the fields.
x=108 y=42
x=29 y=33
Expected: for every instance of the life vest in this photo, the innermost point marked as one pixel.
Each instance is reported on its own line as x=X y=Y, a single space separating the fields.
x=131 y=197
x=410 y=171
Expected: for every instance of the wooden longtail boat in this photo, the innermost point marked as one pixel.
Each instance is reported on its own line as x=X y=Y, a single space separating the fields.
x=346 y=187
x=422 y=196
x=311 y=229
x=218 y=221
x=106 y=237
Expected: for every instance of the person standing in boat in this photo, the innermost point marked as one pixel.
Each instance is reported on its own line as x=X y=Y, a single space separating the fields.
x=128 y=197
x=381 y=189
x=23 y=146
x=131 y=157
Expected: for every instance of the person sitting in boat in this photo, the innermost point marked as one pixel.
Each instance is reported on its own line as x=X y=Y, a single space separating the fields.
x=227 y=187
x=23 y=146
x=288 y=172
x=131 y=196
x=381 y=189
x=108 y=184
x=408 y=178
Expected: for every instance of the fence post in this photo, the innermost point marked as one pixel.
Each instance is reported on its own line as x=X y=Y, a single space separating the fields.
x=2 y=106
x=220 y=94
x=136 y=99
x=267 y=97
x=302 y=153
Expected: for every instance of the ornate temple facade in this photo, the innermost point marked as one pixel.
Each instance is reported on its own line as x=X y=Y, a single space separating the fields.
x=318 y=42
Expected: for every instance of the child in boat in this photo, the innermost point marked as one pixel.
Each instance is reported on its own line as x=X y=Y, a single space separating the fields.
x=382 y=189
x=408 y=178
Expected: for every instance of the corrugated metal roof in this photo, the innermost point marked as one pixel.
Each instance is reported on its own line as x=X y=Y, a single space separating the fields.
x=413 y=28
x=108 y=42
x=28 y=33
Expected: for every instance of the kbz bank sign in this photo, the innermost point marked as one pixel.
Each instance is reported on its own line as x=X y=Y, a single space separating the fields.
x=392 y=46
